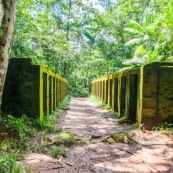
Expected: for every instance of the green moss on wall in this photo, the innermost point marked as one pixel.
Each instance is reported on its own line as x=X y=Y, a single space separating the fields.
x=30 y=89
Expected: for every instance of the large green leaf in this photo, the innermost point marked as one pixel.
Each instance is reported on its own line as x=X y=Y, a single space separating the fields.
x=136 y=26
x=89 y=36
x=133 y=41
x=131 y=30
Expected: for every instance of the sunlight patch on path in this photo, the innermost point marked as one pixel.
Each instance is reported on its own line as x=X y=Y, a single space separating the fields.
x=87 y=118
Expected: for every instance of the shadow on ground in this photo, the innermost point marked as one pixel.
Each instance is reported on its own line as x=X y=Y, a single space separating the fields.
x=86 y=119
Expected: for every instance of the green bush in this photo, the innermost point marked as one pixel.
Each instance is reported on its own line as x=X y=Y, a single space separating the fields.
x=8 y=163
x=67 y=140
x=64 y=102
x=47 y=123
x=59 y=150
x=164 y=127
x=17 y=127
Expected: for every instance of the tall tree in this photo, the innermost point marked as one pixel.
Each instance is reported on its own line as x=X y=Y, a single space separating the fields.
x=7 y=20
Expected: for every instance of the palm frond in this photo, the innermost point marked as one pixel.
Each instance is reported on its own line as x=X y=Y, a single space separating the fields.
x=133 y=41
x=89 y=36
x=131 y=30
x=136 y=26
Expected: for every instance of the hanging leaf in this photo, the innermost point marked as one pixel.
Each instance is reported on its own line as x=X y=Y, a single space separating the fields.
x=131 y=30
x=136 y=26
x=133 y=41
x=90 y=37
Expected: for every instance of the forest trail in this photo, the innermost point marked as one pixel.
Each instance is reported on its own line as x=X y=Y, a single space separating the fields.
x=153 y=151
x=86 y=119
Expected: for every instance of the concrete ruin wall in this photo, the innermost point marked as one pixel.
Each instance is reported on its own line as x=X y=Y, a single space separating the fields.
x=165 y=98
x=150 y=95
x=157 y=102
x=143 y=94
x=32 y=90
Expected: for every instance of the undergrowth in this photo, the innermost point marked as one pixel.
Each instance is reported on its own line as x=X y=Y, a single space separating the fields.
x=65 y=140
x=8 y=163
x=123 y=120
x=47 y=123
x=20 y=135
x=164 y=127
x=19 y=128
x=59 y=150
x=63 y=104
x=100 y=102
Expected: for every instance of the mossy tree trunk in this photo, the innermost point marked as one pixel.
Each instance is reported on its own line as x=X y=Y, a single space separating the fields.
x=7 y=20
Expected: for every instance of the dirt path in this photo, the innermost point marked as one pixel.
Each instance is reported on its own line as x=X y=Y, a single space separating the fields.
x=87 y=120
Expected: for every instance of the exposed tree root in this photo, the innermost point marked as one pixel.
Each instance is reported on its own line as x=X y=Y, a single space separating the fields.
x=55 y=167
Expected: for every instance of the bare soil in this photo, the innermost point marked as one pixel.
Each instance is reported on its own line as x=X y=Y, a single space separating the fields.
x=152 y=152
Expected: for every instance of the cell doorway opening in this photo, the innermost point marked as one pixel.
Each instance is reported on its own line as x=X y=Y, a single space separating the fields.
x=54 y=96
x=45 y=95
x=110 y=94
x=50 y=95
x=116 y=94
x=123 y=96
x=106 y=101
x=133 y=98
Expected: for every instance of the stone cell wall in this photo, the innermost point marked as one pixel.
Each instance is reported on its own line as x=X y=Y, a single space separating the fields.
x=21 y=88
x=32 y=90
x=143 y=94
x=21 y=92
x=29 y=91
x=165 y=100
x=150 y=95
x=157 y=101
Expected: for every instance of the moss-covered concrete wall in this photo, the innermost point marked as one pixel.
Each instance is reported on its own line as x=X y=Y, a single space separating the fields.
x=32 y=89
x=150 y=95
x=165 y=97
x=21 y=91
x=157 y=105
x=143 y=94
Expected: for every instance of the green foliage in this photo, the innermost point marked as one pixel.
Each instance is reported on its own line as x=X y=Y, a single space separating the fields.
x=123 y=120
x=17 y=127
x=60 y=150
x=64 y=103
x=164 y=127
x=47 y=123
x=8 y=163
x=27 y=169
x=100 y=102
x=139 y=126
x=67 y=139
x=149 y=33
x=15 y=134
x=81 y=42
x=56 y=152
x=97 y=100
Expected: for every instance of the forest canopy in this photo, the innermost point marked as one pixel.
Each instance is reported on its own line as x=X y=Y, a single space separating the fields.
x=85 y=39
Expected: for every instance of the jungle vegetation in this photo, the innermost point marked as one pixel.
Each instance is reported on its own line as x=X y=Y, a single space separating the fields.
x=81 y=40
x=85 y=39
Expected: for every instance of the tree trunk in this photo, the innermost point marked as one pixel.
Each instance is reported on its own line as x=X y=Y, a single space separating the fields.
x=7 y=20
x=67 y=35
